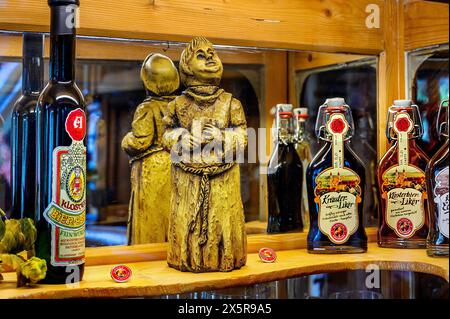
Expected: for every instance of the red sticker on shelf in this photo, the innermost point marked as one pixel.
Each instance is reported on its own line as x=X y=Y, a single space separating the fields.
x=121 y=273
x=267 y=255
x=76 y=124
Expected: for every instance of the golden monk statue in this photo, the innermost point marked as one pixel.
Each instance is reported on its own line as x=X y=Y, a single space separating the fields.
x=207 y=126
x=150 y=163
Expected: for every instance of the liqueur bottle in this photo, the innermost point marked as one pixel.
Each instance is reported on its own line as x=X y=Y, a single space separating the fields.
x=336 y=180
x=23 y=129
x=437 y=183
x=304 y=152
x=284 y=177
x=401 y=180
x=61 y=155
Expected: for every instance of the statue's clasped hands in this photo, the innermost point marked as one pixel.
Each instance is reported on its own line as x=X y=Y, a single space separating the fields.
x=212 y=133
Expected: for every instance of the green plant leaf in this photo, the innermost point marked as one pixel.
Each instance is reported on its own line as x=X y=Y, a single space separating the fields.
x=19 y=235
x=31 y=271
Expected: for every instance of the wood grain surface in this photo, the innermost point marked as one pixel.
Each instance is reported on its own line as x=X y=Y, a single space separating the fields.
x=156 y=278
x=426 y=24
x=319 y=25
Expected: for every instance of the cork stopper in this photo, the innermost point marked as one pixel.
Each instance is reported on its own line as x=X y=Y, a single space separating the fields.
x=403 y=103
x=336 y=101
x=284 y=107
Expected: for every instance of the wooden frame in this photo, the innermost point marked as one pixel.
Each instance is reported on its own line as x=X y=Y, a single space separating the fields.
x=105 y=49
x=332 y=26
x=327 y=26
x=426 y=24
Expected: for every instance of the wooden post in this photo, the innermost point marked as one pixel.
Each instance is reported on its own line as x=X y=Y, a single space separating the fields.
x=391 y=66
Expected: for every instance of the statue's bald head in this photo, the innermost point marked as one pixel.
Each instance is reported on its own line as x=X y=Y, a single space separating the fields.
x=199 y=64
x=159 y=75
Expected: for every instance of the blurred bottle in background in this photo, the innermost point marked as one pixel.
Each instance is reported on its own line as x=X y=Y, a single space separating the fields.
x=303 y=149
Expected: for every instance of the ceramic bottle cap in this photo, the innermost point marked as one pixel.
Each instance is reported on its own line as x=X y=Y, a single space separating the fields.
x=336 y=101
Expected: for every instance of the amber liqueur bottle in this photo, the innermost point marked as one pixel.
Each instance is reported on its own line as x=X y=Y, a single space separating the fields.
x=61 y=155
x=23 y=128
x=284 y=177
x=401 y=180
x=336 y=179
x=437 y=183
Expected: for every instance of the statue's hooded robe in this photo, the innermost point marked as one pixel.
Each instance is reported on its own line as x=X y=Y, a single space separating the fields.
x=206 y=222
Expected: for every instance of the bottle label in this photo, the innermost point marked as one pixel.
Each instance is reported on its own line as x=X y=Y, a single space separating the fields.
x=404 y=191
x=338 y=190
x=441 y=199
x=67 y=212
x=404 y=186
x=338 y=194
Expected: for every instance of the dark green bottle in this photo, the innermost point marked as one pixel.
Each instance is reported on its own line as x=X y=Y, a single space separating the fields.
x=284 y=178
x=61 y=155
x=23 y=129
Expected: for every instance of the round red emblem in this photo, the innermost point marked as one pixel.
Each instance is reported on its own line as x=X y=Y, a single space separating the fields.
x=337 y=125
x=404 y=226
x=403 y=124
x=121 y=273
x=267 y=255
x=338 y=231
x=76 y=124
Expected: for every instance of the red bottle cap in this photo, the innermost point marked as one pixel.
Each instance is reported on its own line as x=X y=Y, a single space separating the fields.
x=285 y=115
x=267 y=255
x=121 y=273
x=302 y=116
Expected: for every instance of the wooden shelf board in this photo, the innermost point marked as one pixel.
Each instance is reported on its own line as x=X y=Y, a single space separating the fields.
x=153 y=252
x=155 y=278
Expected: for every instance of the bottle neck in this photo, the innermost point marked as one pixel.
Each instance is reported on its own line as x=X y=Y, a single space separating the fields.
x=300 y=130
x=33 y=75
x=62 y=44
x=32 y=63
x=403 y=148
x=284 y=131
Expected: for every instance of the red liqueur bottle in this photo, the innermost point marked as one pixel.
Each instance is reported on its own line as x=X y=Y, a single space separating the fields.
x=437 y=179
x=401 y=179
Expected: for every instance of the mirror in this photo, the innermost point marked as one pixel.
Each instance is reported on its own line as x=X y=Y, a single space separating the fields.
x=108 y=73
x=317 y=76
x=428 y=86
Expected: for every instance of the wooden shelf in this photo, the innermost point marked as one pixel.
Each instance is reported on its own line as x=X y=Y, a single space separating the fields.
x=153 y=278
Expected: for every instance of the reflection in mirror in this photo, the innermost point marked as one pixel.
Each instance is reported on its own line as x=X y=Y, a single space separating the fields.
x=10 y=91
x=320 y=76
x=428 y=84
x=108 y=74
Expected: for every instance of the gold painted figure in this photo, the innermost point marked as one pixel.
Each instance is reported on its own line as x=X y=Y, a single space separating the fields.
x=150 y=163
x=208 y=127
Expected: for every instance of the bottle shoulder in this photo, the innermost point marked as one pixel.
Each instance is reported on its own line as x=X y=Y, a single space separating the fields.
x=390 y=157
x=441 y=157
x=26 y=103
x=284 y=153
x=324 y=155
x=61 y=93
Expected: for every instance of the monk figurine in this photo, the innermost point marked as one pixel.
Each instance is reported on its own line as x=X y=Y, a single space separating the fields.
x=150 y=163
x=206 y=222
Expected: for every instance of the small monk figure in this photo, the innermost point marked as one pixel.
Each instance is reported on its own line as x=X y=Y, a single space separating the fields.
x=206 y=222
x=150 y=163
